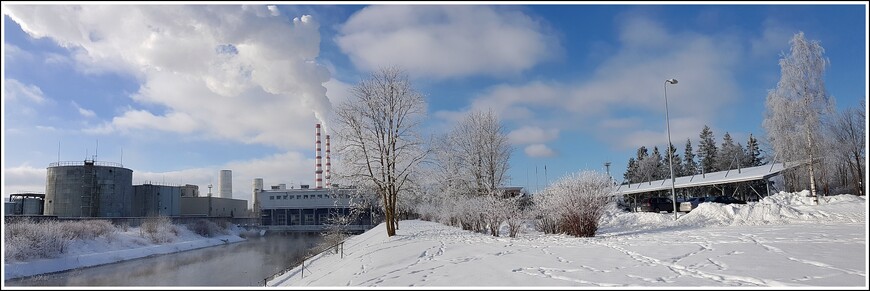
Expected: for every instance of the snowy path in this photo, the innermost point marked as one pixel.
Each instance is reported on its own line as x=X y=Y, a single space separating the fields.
x=430 y=254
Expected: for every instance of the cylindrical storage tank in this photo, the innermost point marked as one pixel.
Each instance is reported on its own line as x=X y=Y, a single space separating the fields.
x=32 y=206
x=258 y=187
x=9 y=208
x=88 y=189
x=225 y=184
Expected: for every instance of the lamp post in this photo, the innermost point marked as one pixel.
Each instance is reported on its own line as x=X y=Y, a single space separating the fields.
x=670 y=152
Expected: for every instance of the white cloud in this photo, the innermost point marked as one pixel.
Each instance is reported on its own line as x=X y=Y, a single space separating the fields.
x=23 y=178
x=774 y=39
x=84 y=112
x=17 y=91
x=539 y=151
x=241 y=73
x=532 y=134
x=447 y=40
x=631 y=81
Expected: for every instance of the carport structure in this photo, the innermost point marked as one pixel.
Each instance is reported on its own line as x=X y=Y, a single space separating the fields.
x=721 y=178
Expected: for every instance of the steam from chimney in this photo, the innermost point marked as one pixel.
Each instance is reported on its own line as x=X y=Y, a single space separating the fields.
x=318 y=179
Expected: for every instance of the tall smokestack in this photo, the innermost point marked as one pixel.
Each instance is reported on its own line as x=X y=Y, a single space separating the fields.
x=318 y=173
x=328 y=184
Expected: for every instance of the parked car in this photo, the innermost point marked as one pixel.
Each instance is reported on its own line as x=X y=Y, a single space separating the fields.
x=657 y=204
x=727 y=200
x=693 y=203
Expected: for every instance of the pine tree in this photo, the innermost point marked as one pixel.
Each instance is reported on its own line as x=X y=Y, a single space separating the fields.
x=729 y=154
x=678 y=165
x=753 y=153
x=657 y=162
x=690 y=166
x=707 y=151
x=630 y=175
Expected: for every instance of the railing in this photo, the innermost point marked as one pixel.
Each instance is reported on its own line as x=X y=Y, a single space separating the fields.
x=339 y=247
x=82 y=163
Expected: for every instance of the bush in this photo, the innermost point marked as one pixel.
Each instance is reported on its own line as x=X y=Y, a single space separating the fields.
x=575 y=203
x=206 y=228
x=158 y=229
x=89 y=229
x=26 y=240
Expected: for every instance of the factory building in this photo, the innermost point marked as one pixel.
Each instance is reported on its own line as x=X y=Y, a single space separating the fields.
x=24 y=204
x=307 y=209
x=88 y=189
x=156 y=200
x=225 y=184
x=189 y=190
x=214 y=207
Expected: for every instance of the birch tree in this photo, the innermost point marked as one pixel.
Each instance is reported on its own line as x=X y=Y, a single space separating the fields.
x=378 y=139
x=849 y=133
x=478 y=153
x=797 y=106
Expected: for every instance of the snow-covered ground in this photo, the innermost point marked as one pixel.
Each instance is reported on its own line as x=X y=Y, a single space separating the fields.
x=120 y=246
x=782 y=240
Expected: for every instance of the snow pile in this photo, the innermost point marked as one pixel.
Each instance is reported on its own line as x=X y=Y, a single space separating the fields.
x=780 y=208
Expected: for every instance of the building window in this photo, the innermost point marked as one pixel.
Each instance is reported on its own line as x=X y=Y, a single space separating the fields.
x=319 y=195
x=271 y=197
x=285 y=197
x=304 y=196
x=291 y=196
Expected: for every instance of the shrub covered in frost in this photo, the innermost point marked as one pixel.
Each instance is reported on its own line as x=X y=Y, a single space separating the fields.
x=158 y=229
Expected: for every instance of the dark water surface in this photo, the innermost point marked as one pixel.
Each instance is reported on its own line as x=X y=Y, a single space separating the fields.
x=245 y=263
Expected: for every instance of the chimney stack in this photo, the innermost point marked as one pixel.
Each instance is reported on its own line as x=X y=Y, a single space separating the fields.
x=327 y=162
x=318 y=179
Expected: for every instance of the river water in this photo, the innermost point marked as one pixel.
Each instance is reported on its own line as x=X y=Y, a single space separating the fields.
x=245 y=263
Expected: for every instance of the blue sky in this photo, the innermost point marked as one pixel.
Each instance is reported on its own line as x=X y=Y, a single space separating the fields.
x=187 y=90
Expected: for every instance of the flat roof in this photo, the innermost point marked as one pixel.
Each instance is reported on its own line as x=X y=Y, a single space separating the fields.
x=697 y=180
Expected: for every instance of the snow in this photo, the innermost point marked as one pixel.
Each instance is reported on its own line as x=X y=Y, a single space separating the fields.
x=121 y=246
x=781 y=241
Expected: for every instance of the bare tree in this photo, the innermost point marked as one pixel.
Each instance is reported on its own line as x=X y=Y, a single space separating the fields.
x=796 y=108
x=378 y=136
x=848 y=132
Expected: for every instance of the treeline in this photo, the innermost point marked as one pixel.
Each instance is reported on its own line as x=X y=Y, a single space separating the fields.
x=708 y=158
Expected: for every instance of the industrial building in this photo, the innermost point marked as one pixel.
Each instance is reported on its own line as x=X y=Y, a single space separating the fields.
x=189 y=190
x=156 y=200
x=225 y=184
x=307 y=209
x=88 y=189
x=214 y=207
x=24 y=204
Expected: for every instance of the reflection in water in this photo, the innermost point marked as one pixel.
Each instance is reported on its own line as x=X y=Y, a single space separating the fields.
x=240 y=264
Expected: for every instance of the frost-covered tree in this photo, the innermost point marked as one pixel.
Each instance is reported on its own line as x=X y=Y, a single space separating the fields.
x=690 y=166
x=707 y=151
x=752 y=154
x=656 y=163
x=797 y=106
x=574 y=204
x=479 y=153
x=631 y=171
x=378 y=139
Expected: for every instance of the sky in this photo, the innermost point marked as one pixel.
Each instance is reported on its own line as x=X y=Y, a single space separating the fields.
x=179 y=92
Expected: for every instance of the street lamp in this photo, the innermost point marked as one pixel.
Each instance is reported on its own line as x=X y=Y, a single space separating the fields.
x=670 y=152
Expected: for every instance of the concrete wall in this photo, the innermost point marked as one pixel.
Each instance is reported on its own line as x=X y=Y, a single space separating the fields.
x=220 y=207
x=156 y=200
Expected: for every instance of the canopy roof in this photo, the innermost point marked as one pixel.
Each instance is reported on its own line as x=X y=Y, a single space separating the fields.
x=715 y=178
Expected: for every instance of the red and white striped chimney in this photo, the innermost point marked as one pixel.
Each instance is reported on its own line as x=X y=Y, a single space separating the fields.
x=318 y=179
x=327 y=162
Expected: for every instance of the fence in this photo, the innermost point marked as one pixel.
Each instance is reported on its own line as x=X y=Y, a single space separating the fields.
x=339 y=247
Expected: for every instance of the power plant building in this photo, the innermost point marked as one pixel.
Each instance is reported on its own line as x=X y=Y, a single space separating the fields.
x=25 y=204
x=156 y=200
x=88 y=189
x=225 y=184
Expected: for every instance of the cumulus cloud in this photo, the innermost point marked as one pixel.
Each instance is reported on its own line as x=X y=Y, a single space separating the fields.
x=631 y=81
x=773 y=40
x=23 y=178
x=532 y=134
x=539 y=151
x=447 y=40
x=15 y=90
x=242 y=73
